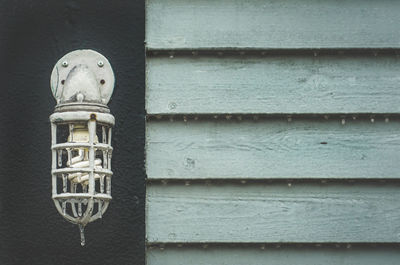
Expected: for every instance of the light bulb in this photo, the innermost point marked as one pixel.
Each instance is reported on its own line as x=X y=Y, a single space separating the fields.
x=79 y=157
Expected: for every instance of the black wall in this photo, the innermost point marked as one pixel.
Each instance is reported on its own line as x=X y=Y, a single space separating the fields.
x=33 y=36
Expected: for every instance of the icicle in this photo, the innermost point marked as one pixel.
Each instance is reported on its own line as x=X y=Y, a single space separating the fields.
x=73 y=206
x=109 y=185
x=64 y=176
x=109 y=135
x=104 y=134
x=71 y=132
x=102 y=184
x=59 y=158
x=100 y=209
x=109 y=159
x=69 y=157
x=82 y=231
x=64 y=207
x=64 y=203
x=79 y=208
x=105 y=159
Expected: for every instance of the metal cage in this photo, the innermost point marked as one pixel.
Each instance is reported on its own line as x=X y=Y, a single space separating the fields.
x=82 y=167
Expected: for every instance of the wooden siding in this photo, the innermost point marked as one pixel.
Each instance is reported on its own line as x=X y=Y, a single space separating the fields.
x=268 y=24
x=270 y=255
x=273 y=212
x=273 y=84
x=273 y=148
x=272 y=122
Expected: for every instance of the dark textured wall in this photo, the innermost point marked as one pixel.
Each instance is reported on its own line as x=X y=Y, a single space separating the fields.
x=33 y=36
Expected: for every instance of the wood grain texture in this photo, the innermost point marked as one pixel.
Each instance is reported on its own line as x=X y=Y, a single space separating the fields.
x=175 y=24
x=242 y=255
x=273 y=148
x=273 y=84
x=270 y=213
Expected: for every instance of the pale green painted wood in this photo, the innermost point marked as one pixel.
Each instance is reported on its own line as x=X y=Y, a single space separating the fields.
x=273 y=148
x=273 y=84
x=273 y=212
x=174 y=24
x=242 y=255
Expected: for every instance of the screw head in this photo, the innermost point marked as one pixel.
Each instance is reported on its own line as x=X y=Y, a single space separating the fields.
x=100 y=63
x=64 y=64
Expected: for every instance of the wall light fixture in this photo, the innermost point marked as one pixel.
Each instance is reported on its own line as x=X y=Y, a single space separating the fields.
x=82 y=83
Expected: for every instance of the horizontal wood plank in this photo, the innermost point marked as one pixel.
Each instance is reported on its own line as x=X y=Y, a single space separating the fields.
x=273 y=256
x=175 y=24
x=270 y=213
x=273 y=84
x=273 y=148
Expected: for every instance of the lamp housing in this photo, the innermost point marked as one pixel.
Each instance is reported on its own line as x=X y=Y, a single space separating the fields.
x=82 y=83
